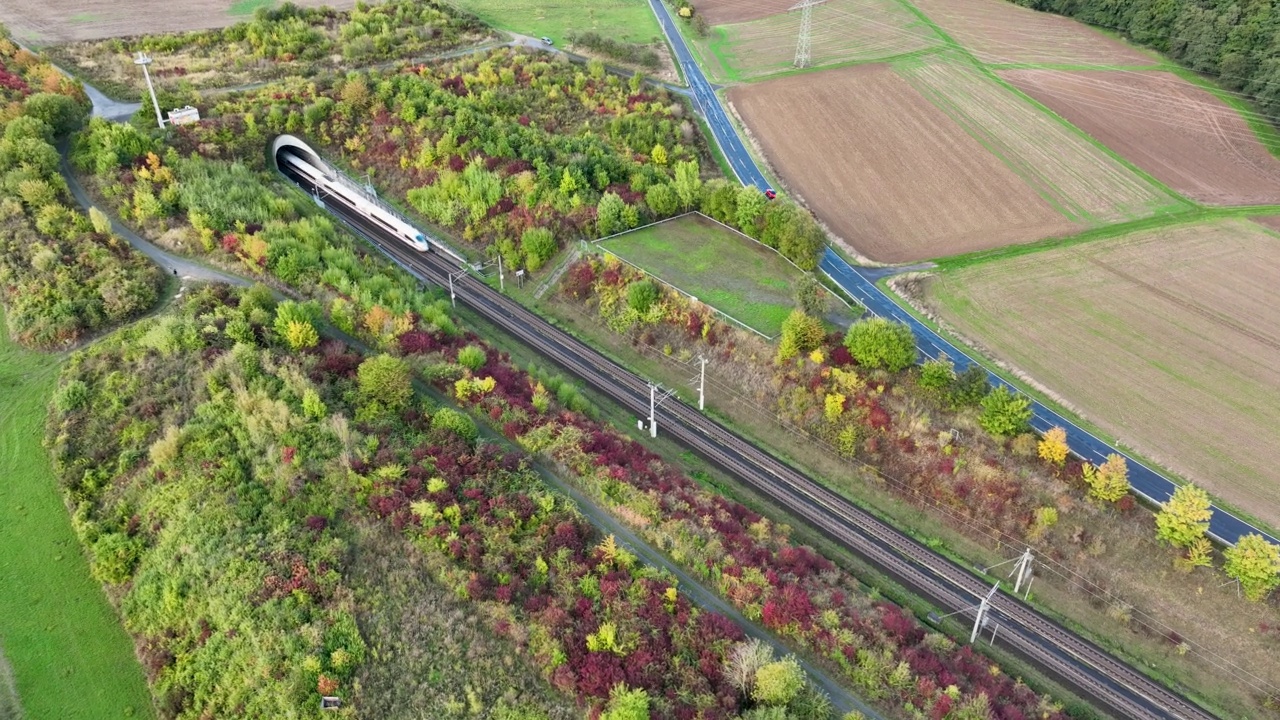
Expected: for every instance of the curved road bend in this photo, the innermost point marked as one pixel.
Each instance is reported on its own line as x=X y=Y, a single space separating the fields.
x=859 y=282
x=1074 y=660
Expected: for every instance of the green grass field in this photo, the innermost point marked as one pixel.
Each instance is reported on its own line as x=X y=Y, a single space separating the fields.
x=64 y=643
x=732 y=274
x=627 y=20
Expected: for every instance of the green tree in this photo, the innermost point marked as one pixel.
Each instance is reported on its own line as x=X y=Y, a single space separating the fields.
x=801 y=333
x=810 y=296
x=688 y=183
x=610 y=215
x=720 y=201
x=1005 y=414
x=568 y=185
x=751 y=203
x=779 y=682
x=386 y=380
x=662 y=200
x=59 y=112
x=538 y=246
x=880 y=343
x=29 y=127
x=288 y=312
x=1255 y=562
x=1109 y=481
x=626 y=704
x=970 y=386
x=456 y=422
x=937 y=375
x=472 y=357
x=642 y=294
x=1184 y=518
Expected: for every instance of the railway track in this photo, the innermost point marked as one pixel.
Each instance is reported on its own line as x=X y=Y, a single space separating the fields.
x=1090 y=670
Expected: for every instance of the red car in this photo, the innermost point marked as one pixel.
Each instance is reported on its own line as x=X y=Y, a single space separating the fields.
x=769 y=193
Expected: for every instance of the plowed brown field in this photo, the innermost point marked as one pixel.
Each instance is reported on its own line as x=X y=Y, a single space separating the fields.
x=890 y=173
x=44 y=22
x=1183 y=135
x=1167 y=339
x=996 y=31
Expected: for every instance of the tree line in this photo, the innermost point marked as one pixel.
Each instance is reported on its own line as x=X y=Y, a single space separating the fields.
x=1236 y=41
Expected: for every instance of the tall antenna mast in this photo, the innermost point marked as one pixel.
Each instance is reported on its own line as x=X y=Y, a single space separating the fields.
x=804 y=56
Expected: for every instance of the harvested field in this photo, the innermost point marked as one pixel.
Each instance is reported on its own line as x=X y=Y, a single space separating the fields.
x=43 y=22
x=1076 y=176
x=1181 y=134
x=997 y=32
x=891 y=174
x=1166 y=339
x=733 y=274
x=844 y=31
x=723 y=12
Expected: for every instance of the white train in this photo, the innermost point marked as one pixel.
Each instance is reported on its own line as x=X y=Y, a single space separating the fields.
x=357 y=202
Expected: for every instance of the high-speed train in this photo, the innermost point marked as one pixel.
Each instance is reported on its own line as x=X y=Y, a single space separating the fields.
x=354 y=200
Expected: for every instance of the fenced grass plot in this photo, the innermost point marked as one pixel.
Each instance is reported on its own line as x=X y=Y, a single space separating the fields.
x=727 y=271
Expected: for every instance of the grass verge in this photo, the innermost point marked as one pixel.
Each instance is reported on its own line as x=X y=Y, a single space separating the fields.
x=70 y=656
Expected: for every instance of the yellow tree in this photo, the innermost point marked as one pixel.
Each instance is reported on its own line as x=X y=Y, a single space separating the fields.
x=834 y=406
x=301 y=334
x=1185 y=517
x=659 y=155
x=1053 y=447
x=1110 y=481
x=1256 y=564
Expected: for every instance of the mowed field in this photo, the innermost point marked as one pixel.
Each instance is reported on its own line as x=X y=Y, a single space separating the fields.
x=889 y=172
x=1167 y=339
x=999 y=32
x=1183 y=135
x=722 y=269
x=44 y=22
x=844 y=31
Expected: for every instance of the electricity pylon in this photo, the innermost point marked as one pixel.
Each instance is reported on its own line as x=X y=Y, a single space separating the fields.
x=803 y=54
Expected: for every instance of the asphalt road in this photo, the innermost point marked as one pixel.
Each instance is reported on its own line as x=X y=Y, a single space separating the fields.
x=704 y=96
x=859 y=282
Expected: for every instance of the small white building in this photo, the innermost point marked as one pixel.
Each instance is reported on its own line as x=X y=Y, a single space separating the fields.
x=184 y=115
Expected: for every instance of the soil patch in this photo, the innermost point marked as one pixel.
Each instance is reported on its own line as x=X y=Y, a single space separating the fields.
x=889 y=172
x=1183 y=135
x=1167 y=339
x=1000 y=32
x=42 y=22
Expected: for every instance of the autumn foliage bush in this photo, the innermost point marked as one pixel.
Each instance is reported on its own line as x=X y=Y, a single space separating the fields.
x=882 y=651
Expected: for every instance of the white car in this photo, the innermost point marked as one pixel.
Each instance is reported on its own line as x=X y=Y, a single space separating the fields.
x=547 y=41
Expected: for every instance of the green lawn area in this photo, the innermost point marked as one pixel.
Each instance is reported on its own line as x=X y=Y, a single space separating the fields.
x=627 y=20
x=735 y=275
x=64 y=643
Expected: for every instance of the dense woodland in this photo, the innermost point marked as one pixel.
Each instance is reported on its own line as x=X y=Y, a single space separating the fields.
x=516 y=153
x=1237 y=41
x=62 y=274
